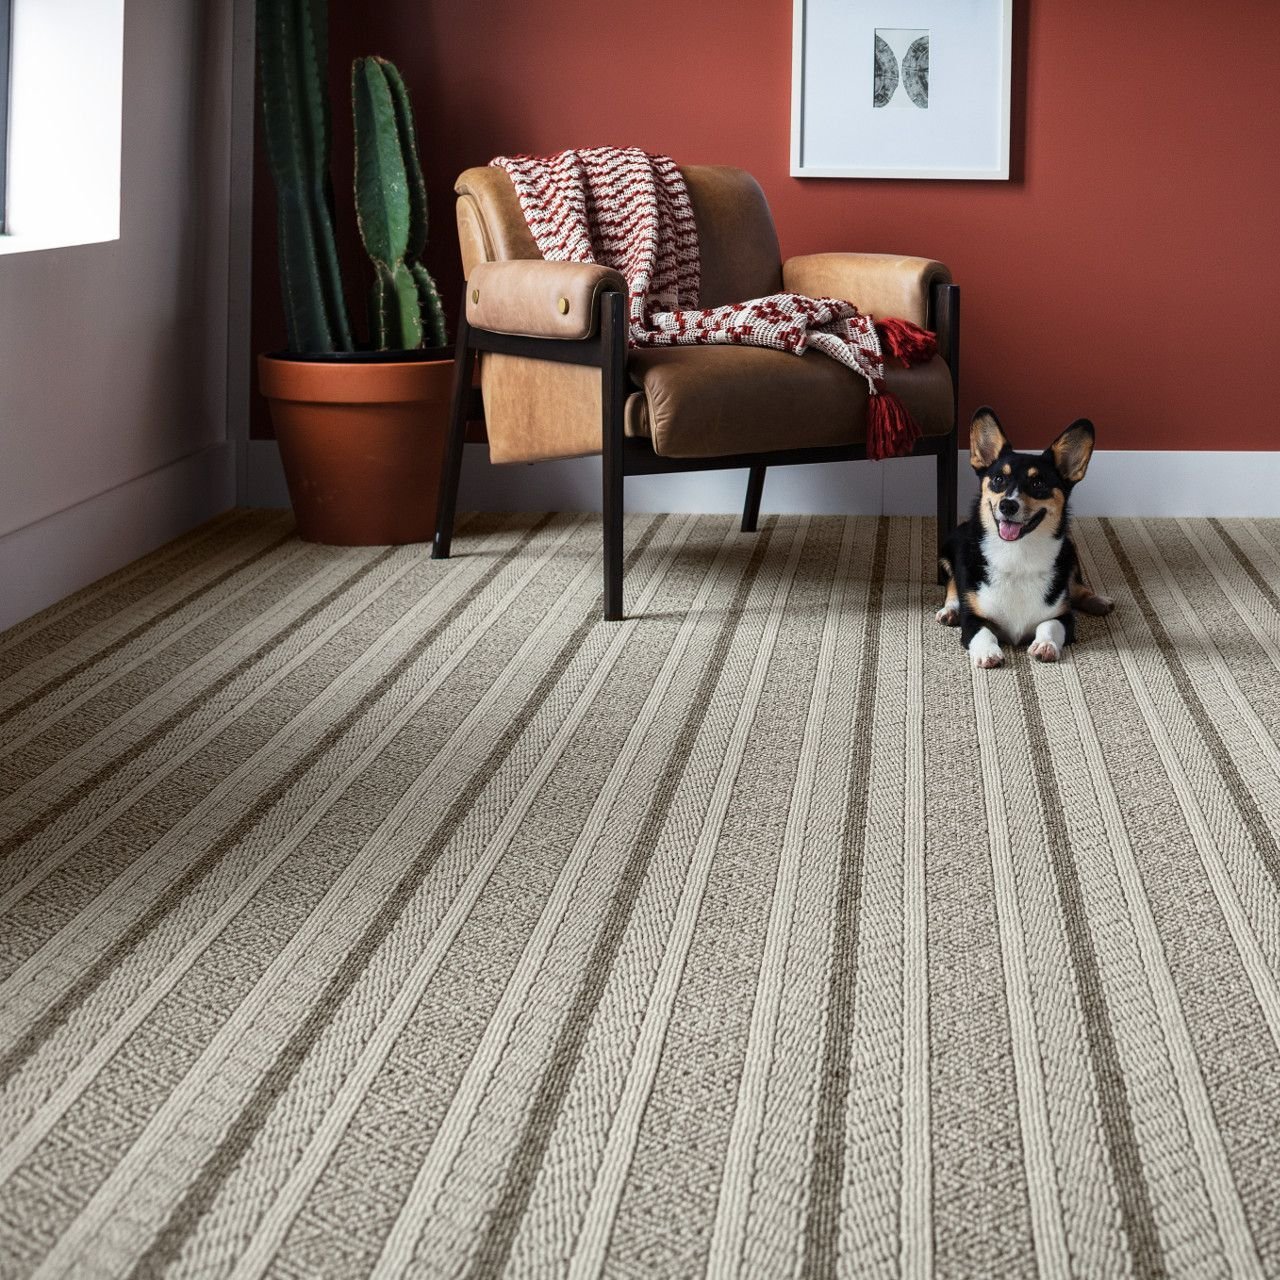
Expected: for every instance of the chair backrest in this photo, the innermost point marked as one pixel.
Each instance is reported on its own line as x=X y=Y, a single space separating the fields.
x=736 y=236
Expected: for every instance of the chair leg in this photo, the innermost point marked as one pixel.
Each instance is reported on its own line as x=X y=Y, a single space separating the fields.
x=751 y=507
x=613 y=339
x=613 y=508
x=945 y=315
x=947 y=481
x=447 y=501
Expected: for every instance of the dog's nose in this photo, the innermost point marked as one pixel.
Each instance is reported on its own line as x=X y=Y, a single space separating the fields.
x=1008 y=507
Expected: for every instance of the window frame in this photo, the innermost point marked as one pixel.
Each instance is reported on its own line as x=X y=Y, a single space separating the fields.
x=6 y=42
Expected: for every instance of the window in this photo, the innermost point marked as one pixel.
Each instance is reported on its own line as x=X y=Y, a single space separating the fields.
x=62 y=157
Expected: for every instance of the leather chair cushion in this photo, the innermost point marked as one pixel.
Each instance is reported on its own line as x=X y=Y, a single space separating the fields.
x=701 y=402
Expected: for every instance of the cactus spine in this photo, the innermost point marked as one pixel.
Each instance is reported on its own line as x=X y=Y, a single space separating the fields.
x=391 y=210
x=293 y=45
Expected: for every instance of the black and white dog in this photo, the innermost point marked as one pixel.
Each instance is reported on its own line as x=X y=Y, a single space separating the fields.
x=1012 y=568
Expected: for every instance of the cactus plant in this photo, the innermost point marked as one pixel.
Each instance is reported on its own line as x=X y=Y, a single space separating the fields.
x=292 y=45
x=391 y=209
x=391 y=200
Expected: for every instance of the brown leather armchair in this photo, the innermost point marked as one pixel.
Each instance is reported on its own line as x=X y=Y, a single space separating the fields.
x=557 y=379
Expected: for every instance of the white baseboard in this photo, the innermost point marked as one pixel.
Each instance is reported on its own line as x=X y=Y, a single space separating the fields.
x=1120 y=483
x=45 y=561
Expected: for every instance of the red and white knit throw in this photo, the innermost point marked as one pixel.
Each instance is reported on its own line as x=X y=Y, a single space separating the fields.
x=629 y=210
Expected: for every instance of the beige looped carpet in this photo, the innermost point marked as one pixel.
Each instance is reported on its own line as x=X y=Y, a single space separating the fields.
x=367 y=915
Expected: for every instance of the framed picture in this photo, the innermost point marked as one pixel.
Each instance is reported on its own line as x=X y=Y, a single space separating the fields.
x=901 y=88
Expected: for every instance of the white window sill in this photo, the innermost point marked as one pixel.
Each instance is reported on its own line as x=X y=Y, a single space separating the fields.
x=67 y=240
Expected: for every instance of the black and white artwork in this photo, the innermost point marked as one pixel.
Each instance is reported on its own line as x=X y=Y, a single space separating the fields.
x=867 y=100
x=901 y=76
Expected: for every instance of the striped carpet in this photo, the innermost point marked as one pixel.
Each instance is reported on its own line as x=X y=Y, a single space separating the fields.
x=367 y=915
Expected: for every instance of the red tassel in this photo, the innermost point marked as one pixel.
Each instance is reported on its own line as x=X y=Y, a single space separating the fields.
x=891 y=431
x=908 y=342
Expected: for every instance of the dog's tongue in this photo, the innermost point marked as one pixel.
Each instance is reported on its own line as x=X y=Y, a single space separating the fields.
x=1010 y=532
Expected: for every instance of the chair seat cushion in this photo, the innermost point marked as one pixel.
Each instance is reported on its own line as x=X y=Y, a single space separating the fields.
x=713 y=401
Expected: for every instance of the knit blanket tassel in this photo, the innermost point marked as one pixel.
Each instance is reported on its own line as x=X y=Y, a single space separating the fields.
x=906 y=341
x=891 y=431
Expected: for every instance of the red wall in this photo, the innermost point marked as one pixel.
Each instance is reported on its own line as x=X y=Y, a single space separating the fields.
x=1127 y=272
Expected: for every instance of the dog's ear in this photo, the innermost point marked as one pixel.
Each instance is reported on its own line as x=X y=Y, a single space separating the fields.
x=986 y=439
x=1072 y=450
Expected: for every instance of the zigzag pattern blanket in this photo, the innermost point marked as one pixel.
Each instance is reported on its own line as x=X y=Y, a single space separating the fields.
x=626 y=209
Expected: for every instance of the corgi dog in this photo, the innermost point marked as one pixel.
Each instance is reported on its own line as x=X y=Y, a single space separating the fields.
x=1012 y=570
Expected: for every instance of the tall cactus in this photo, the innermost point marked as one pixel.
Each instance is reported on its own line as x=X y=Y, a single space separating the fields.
x=391 y=210
x=293 y=45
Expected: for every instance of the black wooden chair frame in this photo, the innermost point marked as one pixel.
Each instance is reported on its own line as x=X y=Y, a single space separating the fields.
x=626 y=456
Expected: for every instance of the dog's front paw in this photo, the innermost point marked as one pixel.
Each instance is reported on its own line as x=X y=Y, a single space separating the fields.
x=984 y=650
x=1044 y=650
x=1048 y=642
x=949 y=615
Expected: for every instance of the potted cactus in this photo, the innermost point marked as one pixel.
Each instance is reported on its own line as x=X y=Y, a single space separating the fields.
x=361 y=428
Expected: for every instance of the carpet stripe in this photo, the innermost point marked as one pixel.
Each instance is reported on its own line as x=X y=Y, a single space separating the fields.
x=1241 y=796
x=601 y=1214
x=1252 y=748
x=1183 y=1214
x=120 y=590
x=401 y=1242
x=1242 y=558
x=312 y=1163
x=202 y=1191
x=1135 y=1197
x=780 y=1174
x=99 y=1210
x=186 y=709
x=52 y=1110
x=915 y=1219
x=140 y=773
x=661 y=1228
x=1180 y=1053
x=1261 y=978
x=111 y=697
x=274 y=766
x=827 y=1169
x=1264 y=783
x=430 y=1059
x=92 y=975
x=1222 y=557
x=60 y=682
x=871 y=1194
x=1053 y=1259
x=1199 y=933
x=729 y=1236
x=471 y=1089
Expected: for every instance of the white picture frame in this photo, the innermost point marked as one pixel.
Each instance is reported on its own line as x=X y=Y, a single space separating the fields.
x=901 y=88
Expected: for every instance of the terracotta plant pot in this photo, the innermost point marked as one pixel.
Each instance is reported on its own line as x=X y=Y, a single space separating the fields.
x=362 y=443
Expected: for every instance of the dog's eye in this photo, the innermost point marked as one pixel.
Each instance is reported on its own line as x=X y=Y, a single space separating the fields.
x=997 y=483
x=1037 y=488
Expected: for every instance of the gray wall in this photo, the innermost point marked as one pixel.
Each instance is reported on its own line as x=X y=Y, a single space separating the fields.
x=113 y=357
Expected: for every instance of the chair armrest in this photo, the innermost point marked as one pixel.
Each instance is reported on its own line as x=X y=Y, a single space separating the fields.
x=880 y=284
x=539 y=299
